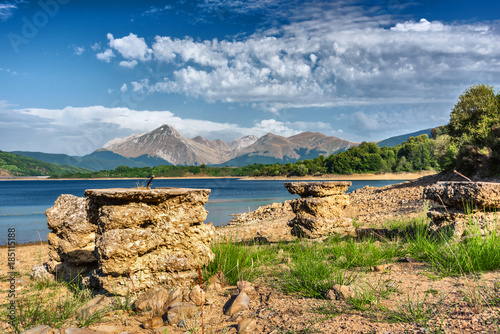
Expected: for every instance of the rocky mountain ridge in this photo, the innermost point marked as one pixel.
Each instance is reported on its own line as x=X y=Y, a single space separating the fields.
x=169 y=144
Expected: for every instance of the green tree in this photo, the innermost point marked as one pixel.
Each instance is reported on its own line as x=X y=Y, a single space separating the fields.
x=474 y=115
x=473 y=128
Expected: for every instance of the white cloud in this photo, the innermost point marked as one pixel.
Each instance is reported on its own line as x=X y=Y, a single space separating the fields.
x=274 y=126
x=152 y=11
x=422 y=26
x=6 y=10
x=131 y=47
x=78 y=50
x=106 y=55
x=128 y=64
x=8 y=70
x=124 y=88
x=205 y=54
x=96 y=46
x=324 y=59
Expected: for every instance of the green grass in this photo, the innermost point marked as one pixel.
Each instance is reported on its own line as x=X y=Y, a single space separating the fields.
x=451 y=258
x=238 y=261
x=54 y=304
x=413 y=310
x=316 y=266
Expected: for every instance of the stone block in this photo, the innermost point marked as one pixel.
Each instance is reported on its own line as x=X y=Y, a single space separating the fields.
x=72 y=237
x=322 y=207
x=318 y=189
x=466 y=196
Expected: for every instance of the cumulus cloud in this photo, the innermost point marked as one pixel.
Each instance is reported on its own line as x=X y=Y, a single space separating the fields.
x=130 y=47
x=422 y=25
x=128 y=64
x=124 y=88
x=106 y=55
x=329 y=55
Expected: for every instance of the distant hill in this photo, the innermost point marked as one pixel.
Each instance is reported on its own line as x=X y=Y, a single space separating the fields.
x=18 y=165
x=272 y=148
x=395 y=141
x=98 y=160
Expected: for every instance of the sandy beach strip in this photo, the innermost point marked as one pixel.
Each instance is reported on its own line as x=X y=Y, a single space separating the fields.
x=325 y=177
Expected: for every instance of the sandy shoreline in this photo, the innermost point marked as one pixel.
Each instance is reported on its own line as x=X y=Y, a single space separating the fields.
x=353 y=177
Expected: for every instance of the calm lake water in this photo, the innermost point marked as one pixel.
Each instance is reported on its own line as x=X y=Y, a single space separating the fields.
x=23 y=203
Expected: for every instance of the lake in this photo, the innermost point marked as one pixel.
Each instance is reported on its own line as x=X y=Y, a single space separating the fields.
x=23 y=203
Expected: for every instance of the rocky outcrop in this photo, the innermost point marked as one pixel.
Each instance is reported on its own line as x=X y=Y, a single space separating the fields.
x=318 y=189
x=72 y=236
x=463 y=207
x=466 y=195
x=141 y=237
x=321 y=215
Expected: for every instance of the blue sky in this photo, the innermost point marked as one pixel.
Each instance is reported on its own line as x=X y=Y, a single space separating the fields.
x=76 y=74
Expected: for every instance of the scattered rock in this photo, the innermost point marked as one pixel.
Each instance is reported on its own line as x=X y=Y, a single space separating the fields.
x=153 y=323
x=197 y=295
x=407 y=259
x=341 y=292
x=246 y=326
x=42 y=329
x=179 y=311
x=80 y=331
x=214 y=287
x=41 y=272
x=239 y=303
x=245 y=286
x=381 y=267
x=92 y=306
x=157 y=300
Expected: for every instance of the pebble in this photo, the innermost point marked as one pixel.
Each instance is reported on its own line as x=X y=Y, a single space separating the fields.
x=240 y=303
x=153 y=323
x=197 y=295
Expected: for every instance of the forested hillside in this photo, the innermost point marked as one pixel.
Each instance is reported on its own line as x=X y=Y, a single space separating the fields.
x=17 y=165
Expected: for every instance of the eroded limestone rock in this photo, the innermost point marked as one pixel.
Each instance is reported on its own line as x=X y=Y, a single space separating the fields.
x=164 y=242
x=321 y=215
x=318 y=189
x=72 y=237
x=465 y=196
x=463 y=207
x=130 y=240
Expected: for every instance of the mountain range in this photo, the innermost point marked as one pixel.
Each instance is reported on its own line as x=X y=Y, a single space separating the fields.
x=166 y=146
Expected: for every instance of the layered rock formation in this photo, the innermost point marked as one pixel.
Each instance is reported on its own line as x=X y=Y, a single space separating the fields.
x=463 y=207
x=320 y=215
x=72 y=237
x=142 y=237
